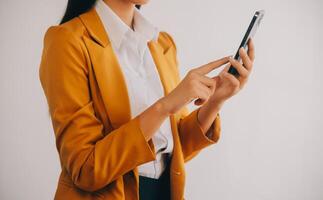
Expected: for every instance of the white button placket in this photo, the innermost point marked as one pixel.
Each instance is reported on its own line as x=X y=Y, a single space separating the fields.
x=143 y=71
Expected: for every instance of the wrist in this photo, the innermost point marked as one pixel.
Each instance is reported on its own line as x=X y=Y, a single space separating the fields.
x=206 y=114
x=215 y=104
x=162 y=107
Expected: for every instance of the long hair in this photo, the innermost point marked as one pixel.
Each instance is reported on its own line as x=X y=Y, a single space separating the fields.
x=76 y=7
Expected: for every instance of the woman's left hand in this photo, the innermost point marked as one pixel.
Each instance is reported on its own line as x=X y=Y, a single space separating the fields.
x=227 y=84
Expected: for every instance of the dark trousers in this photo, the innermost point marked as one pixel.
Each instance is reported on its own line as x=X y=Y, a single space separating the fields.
x=155 y=189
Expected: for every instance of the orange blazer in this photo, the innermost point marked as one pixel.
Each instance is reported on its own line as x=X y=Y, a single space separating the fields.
x=99 y=145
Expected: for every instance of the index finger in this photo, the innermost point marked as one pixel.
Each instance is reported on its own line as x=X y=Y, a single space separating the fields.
x=204 y=69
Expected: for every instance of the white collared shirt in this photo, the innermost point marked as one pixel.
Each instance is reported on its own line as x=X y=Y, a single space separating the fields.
x=142 y=78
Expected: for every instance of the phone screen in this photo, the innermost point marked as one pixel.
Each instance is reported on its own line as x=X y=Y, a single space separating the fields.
x=251 y=31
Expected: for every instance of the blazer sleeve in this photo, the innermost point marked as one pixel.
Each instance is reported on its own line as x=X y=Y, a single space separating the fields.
x=191 y=134
x=91 y=158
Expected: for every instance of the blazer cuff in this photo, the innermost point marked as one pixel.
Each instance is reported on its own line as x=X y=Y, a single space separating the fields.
x=148 y=149
x=192 y=135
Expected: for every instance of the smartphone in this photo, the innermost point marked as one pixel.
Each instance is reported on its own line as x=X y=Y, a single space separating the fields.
x=251 y=31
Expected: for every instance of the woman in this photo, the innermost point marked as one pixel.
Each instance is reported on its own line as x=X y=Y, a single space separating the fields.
x=118 y=106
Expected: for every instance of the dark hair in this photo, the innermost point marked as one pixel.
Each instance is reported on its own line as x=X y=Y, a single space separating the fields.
x=77 y=7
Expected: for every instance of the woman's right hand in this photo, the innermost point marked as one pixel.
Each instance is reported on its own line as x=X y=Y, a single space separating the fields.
x=195 y=85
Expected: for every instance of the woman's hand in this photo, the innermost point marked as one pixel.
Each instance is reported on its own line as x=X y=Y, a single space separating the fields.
x=195 y=85
x=227 y=84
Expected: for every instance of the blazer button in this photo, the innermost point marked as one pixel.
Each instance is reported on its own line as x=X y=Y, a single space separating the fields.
x=176 y=172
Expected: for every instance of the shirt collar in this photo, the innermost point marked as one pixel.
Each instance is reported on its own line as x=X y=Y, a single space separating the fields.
x=117 y=29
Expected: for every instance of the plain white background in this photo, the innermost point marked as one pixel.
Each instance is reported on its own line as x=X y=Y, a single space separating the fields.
x=271 y=144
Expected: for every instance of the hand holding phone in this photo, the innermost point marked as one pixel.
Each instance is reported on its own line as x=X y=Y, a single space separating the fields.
x=251 y=31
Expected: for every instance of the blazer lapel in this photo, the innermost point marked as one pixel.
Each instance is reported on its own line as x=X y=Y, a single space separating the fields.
x=107 y=70
x=164 y=68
